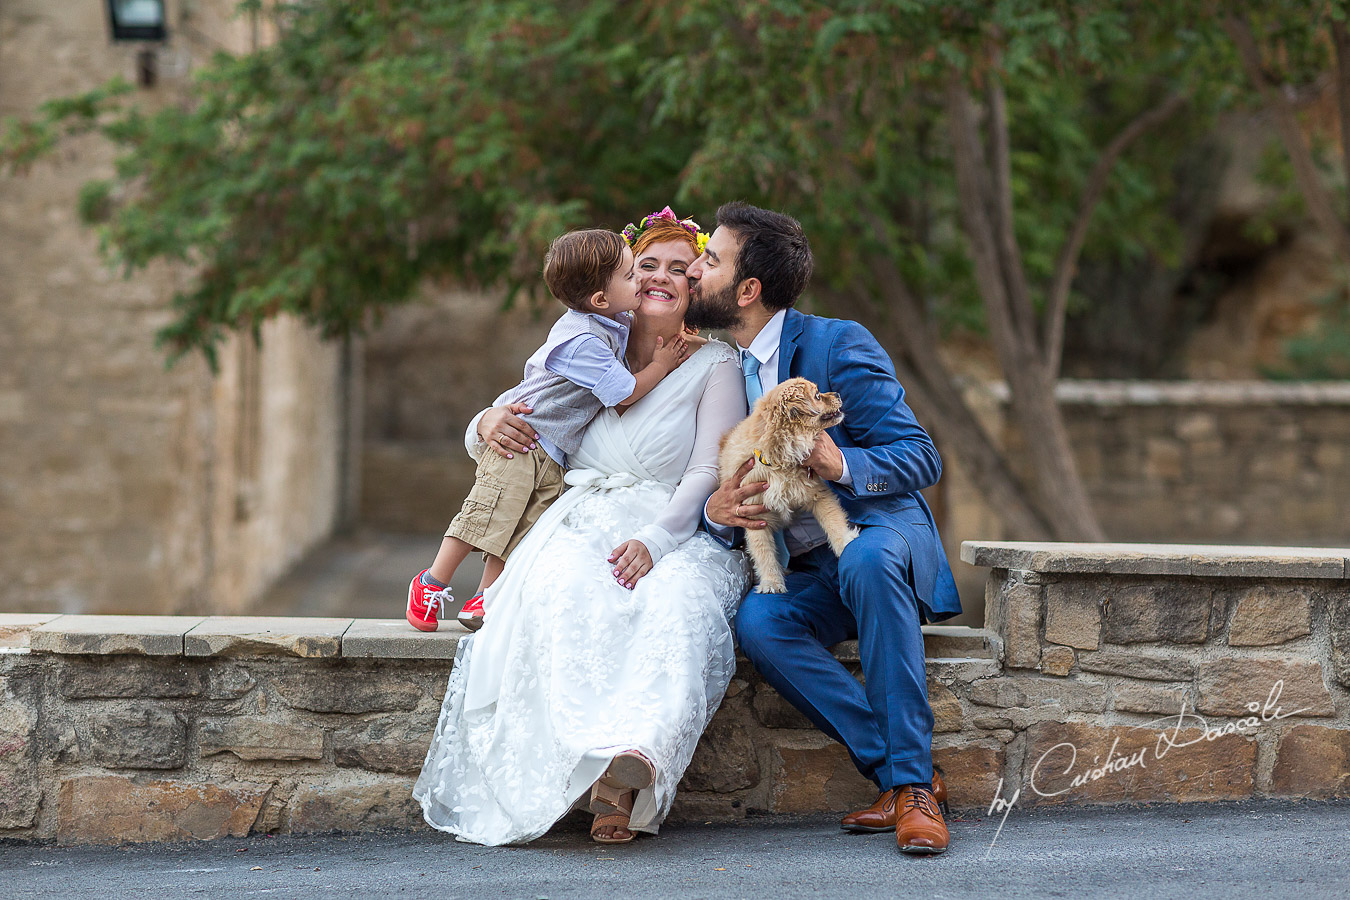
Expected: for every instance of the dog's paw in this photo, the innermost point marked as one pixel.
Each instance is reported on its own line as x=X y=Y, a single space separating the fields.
x=771 y=586
x=842 y=539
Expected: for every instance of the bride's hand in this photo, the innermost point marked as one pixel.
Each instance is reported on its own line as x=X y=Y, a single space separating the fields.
x=502 y=429
x=631 y=561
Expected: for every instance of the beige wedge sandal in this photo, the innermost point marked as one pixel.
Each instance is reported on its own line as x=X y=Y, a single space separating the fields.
x=613 y=793
x=615 y=821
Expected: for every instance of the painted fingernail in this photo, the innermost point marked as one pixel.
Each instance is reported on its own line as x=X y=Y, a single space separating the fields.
x=532 y=446
x=510 y=456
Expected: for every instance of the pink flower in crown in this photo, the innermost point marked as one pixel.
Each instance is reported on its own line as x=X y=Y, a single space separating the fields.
x=630 y=231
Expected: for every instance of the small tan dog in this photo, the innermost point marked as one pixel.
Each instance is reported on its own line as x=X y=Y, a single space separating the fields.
x=780 y=433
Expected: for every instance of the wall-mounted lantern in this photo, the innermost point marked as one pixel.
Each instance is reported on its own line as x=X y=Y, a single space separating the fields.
x=139 y=20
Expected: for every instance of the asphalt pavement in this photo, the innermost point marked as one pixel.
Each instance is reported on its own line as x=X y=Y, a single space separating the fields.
x=1257 y=848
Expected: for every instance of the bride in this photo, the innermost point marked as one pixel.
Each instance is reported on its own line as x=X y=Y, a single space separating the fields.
x=606 y=646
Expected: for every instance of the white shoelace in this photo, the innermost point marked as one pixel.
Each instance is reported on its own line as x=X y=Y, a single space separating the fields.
x=438 y=600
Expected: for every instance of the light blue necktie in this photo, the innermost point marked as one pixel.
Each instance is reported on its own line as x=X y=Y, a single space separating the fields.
x=753 y=391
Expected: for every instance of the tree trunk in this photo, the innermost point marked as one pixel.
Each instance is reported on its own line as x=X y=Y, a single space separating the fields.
x=932 y=393
x=1318 y=198
x=1031 y=386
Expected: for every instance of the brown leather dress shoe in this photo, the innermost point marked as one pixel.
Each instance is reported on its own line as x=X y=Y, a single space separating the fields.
x=919 y=827
x=880 y=816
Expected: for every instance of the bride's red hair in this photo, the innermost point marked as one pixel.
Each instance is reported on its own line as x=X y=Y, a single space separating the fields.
x=658 y=231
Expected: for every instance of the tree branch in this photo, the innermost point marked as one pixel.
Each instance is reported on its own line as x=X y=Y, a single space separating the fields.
x=932 y=391
x=1000 y=169
x=1030 y=384
x=1066 y=265
x=972 y=194
x=1315 y=194
x=1342 y=41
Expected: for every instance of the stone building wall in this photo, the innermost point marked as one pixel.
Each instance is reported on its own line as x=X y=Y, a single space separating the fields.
x=126 y=488
x=430 y=368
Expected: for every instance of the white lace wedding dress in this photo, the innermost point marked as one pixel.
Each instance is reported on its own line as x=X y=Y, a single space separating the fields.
x=570 y=668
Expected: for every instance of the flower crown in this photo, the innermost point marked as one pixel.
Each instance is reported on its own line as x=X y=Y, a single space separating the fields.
x=631 y=232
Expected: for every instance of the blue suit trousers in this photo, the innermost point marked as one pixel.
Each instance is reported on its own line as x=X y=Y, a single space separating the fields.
x=868 y=593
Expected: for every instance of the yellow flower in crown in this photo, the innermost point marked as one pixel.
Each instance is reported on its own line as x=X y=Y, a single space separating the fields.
x=631 y=232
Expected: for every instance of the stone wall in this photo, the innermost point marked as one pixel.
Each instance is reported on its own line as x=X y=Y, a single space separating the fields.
x=1103 y=644
x=1227 y=462
x=430 y=368
x=125 y=728
x=125 y=487
x=164 y=728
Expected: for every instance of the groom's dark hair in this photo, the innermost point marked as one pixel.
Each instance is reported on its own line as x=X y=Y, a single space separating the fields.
x=774 y=249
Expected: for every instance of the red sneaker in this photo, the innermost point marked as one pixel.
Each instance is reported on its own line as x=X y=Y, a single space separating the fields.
x=424 y=601
x=471 y=616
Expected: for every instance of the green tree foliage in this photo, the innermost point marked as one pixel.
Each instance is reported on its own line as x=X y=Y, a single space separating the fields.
x=1287 y=50
x=951 y=162
x=371 y=146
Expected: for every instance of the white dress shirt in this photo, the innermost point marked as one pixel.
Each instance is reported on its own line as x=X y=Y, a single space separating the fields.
x=804 y=533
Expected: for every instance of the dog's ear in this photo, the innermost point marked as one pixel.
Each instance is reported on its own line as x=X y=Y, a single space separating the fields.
x=788 y=405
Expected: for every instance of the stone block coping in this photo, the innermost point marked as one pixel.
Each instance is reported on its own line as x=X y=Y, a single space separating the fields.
x=394 y=639
x=330 y=638
x=16 y=629
x=141 y=635
x=258 y=636
x=1191 y=393
x=1160 y=559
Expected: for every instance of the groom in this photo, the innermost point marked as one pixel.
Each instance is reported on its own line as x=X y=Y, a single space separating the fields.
x=891 y=578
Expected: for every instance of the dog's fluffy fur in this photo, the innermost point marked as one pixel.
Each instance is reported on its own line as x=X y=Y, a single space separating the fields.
x=783 y=428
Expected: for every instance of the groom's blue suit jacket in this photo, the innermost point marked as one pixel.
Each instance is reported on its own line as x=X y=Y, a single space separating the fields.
x=890 y=457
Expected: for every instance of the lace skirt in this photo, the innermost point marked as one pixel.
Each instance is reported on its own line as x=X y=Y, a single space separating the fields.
x=571 y=669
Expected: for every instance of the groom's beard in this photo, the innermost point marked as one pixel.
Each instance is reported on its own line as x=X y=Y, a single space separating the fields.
x=717 y=310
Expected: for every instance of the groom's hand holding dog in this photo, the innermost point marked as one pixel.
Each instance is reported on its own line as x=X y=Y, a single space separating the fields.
x=727 y=505
x=826 y=460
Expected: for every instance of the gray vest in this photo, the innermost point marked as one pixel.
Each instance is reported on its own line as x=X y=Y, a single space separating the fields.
x=562 y=408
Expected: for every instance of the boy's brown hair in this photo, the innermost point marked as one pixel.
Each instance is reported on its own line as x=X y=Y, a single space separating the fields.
x=580 y=263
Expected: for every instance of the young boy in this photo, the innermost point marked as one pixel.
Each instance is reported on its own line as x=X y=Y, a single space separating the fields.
x=579 y=371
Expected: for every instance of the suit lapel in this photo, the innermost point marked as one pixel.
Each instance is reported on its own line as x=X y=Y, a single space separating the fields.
x=787 y=344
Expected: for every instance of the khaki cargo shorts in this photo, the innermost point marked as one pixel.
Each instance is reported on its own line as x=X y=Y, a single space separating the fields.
x=507 y=498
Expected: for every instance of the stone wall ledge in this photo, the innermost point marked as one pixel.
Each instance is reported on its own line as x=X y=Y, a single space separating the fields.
x=325 y=638
x=127 y=728
x=1189 y=393
x=1201 y=560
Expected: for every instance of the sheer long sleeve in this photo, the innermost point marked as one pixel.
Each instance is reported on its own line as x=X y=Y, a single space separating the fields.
x=720 y=408
x=472 y=442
